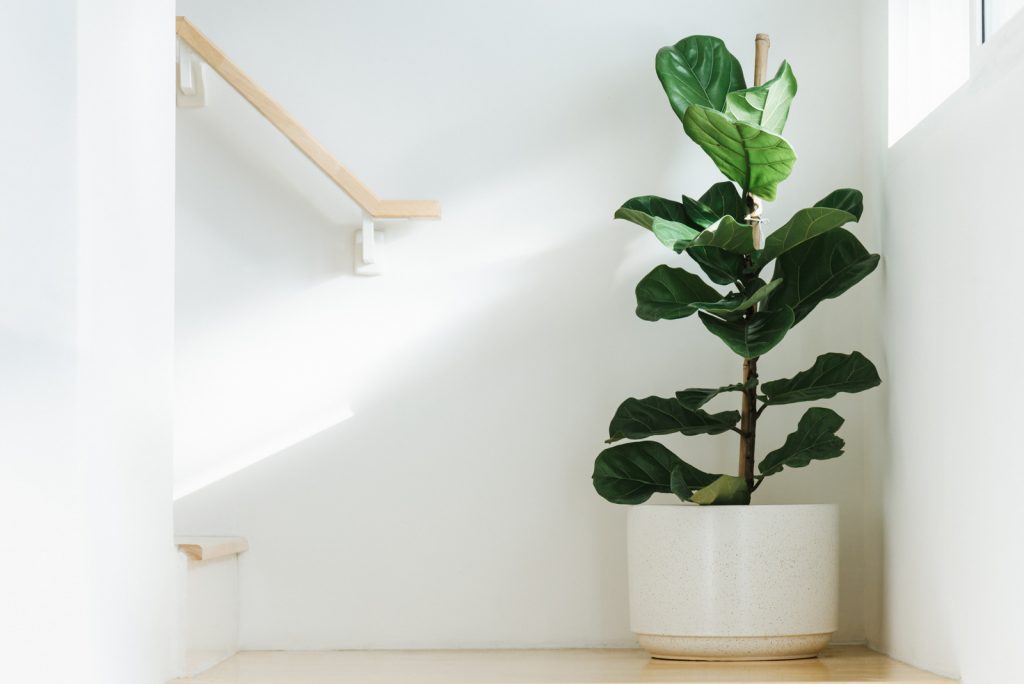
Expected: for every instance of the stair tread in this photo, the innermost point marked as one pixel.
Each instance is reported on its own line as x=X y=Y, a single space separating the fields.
x=208 y=548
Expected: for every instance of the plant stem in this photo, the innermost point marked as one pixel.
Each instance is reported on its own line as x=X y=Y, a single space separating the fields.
x=748 y=409
x=748 y=423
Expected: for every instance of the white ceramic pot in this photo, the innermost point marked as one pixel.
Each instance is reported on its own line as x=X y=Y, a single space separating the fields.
x=733 y=582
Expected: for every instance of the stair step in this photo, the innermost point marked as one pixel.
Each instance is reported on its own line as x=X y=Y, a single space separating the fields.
x=208 y=548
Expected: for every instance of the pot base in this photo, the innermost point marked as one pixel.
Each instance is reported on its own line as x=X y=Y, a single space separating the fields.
x=667 y=647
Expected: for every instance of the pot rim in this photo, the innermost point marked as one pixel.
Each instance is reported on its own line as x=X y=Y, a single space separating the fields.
x=684 y=506
x=751 y=509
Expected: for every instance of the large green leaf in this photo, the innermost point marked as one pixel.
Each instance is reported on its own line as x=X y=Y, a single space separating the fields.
x=724 y=200
x=847 y=199
x=720 y=266
x=753 y=337
x=805 y=225
x=671 y=293
x=668 y=293
x=814 y=440
x=667 y=219
x=819 y=269
x=831 y=374
x=701 y=214
x=727 y=234
x=685 y=478
x=754 y=158
x=695 y=397
x=641 y=418
x=721 y=199
x=673 y=234
x=630 y=473
x=735 y=304
x=677 y=484
x=765 y=105
x=727 y=490
x=698 y=70
x=643 y=210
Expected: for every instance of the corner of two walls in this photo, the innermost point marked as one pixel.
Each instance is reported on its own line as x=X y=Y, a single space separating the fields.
x=873 y=84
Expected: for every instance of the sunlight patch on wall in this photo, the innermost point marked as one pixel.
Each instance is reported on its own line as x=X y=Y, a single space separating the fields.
x=199 y=467
x=276 y=372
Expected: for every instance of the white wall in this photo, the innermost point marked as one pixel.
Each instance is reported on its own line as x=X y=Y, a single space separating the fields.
x=40 y=488
x=86 y=314
x=445 y=416
x=209 y=611
x=953 y=547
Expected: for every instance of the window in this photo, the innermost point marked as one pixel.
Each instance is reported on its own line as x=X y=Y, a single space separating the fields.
x=929 y=57
x=995 y=13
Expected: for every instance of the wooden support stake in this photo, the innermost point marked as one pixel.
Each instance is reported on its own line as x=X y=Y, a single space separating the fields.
x=748 y=413
x=761 y=45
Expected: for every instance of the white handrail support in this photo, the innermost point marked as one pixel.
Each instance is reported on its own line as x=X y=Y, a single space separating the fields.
x=191 y=89
x=185 y=81
x=367 y=247
x=369 y=243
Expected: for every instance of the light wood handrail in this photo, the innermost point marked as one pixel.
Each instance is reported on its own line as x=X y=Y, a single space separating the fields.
x=299 y=136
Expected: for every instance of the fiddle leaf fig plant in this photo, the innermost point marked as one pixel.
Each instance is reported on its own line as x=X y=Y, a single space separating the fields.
x=770 y=288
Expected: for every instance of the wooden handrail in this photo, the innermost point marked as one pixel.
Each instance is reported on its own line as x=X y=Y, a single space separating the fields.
x=299 y=136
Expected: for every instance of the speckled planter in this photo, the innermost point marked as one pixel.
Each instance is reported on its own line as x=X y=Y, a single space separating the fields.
x=733 y=582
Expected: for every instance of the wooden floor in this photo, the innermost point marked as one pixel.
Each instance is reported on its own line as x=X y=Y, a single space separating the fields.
x=848 y=664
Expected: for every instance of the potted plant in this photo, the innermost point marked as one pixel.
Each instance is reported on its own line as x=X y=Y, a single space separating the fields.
x=720 y=579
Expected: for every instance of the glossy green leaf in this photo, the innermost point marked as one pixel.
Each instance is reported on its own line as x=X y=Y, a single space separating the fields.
x=727 y=490
x=814 y=440
x=677 y=484
x=643 y=210
x=668 y=293
x=723 y=268
x=846 y=199
x=641 y=418
x=735 y=304
x=721 y=199
x=671 y=293
x=701 y=214
x=727 y=234
x=831 y=374
x=805 y=225
x=630 y=473
x=685 y=478
x=724 y=200
x=698 y=70
x=765 y=105
x=819 y=269
x=695 y=397
x=755 y=337
x=754 y=158
x=674 y=235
